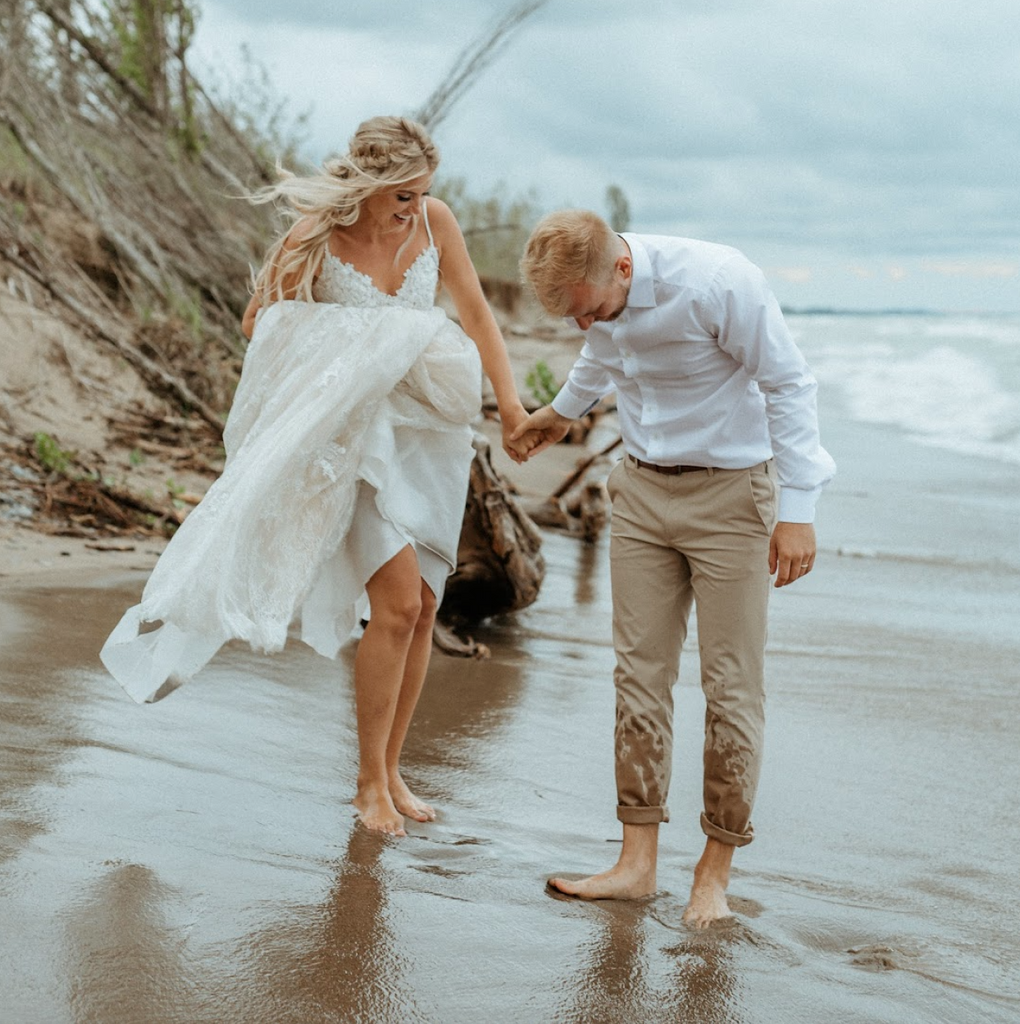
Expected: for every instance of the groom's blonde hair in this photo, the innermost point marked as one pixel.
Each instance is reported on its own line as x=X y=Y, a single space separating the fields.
x=568 y=248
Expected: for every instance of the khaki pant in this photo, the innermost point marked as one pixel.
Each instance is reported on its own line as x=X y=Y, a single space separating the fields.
x=698 y=538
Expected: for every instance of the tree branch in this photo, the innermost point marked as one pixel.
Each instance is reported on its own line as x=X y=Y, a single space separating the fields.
x=472 y=61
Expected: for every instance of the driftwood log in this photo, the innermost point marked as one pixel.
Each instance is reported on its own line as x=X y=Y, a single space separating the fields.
x=499 y=560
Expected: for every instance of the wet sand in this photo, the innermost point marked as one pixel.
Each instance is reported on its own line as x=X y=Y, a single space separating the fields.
x=197 y=860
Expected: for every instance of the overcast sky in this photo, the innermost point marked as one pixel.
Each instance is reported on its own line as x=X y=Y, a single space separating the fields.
x=865 y=155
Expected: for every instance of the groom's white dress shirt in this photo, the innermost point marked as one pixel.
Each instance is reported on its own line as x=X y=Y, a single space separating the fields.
x=705 y=370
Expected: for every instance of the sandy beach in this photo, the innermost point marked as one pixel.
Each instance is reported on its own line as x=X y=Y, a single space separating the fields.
x=198 y=861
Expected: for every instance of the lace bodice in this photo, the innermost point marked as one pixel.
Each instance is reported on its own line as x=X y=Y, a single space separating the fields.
x=345 y=285
x=341 y=283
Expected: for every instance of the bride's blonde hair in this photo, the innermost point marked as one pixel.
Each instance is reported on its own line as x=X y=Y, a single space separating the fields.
x=383 y=153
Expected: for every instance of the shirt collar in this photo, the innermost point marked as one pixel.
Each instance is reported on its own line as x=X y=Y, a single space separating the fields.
x=642 y=287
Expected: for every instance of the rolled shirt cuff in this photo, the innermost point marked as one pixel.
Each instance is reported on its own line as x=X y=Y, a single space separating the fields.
x=797 y=505
x=572 y=405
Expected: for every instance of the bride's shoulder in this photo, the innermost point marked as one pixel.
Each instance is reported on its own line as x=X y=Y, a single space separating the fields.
x=441 y=217
x=299 y=231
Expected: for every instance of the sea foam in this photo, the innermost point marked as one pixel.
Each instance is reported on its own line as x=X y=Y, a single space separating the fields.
x=949 y=382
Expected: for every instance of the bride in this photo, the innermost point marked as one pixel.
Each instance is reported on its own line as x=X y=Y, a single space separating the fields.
x=348 y=450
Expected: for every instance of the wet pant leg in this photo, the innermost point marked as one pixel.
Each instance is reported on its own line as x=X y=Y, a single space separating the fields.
x=700 y=537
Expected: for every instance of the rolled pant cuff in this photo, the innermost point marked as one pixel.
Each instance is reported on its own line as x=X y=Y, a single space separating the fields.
x=729 y=838
x=642 y=815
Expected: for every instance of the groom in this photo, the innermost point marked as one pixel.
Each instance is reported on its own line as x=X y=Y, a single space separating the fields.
x=716 y=492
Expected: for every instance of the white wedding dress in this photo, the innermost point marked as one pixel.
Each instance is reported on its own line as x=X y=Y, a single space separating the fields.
x=348 y=439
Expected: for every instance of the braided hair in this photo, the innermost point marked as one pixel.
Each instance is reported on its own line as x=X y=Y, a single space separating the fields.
x=383 y=153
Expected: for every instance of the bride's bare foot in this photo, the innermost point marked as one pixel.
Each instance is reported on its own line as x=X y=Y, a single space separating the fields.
x=708 y=894
x=630 y=878
x=377 y=812
x=407 y=803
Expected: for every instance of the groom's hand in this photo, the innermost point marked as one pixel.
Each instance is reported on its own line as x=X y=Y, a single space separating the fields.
x=791 y=552
x=540 y=430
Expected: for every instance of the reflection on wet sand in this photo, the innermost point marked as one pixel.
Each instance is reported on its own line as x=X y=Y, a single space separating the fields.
x=586 y=581
x=625 y=974
x=337 y=961
x=611 y=982
x=351 y=957
x=122 y=958
x=705 y=986
x=196 y=861
x=40 y=726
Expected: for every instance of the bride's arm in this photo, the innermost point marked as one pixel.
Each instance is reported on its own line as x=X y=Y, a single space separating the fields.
x=290 y=282
x=461 y=281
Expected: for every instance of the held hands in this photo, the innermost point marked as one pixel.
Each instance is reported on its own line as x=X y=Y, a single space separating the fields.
x=791 y=552
x=511 y=419
x=540 y=430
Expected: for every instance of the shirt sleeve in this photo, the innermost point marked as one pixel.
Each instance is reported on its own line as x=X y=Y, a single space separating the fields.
x=752 y=330
x=587 y=382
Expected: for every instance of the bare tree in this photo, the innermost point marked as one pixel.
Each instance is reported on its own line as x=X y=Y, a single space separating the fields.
x=472 y=61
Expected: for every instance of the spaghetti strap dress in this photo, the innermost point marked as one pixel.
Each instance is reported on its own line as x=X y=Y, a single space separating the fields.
x=349 y=439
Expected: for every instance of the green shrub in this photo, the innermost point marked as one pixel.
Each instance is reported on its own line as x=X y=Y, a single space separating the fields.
x=51 y=455
x=541 y=383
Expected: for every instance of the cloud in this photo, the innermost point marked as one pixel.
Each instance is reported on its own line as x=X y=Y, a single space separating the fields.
x=862 y=273
x=977 y=269
x=875 y=135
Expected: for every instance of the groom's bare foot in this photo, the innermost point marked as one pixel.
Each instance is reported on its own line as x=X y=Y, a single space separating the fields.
x=708 y=894
x=407 y=803
x=707 y=905
x=618 y=883
x=376 y=810
x=630 y=878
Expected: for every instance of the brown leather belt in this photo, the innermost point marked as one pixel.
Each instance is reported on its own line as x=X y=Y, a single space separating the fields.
x=668 y=470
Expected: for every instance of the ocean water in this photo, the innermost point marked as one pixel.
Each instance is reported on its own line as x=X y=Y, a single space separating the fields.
x=949 y=381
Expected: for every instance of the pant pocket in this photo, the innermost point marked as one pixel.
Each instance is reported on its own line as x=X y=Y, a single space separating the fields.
x=765 y=493
x=613 y=480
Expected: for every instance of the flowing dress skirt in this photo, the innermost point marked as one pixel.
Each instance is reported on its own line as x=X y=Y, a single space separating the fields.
x=349 y=438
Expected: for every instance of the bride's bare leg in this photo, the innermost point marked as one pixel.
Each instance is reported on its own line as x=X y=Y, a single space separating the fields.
x=379 y=670
x=414 y=679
